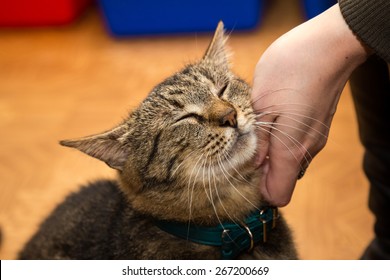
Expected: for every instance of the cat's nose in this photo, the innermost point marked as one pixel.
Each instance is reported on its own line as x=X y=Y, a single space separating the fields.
x=229 y=118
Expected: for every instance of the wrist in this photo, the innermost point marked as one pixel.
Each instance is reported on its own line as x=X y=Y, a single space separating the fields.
x=336 y=42
x=343 y=43
x=323 y=47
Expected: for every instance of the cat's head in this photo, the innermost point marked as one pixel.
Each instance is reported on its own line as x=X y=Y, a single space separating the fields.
x=187 y=151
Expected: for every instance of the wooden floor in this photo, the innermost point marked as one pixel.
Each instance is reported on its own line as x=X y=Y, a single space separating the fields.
x=66 y=82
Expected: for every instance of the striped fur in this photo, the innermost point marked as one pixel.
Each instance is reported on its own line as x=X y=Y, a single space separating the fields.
x=186 y=153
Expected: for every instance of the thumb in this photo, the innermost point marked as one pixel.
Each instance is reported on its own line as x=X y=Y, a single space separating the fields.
x=263 y=136
x=280 y=176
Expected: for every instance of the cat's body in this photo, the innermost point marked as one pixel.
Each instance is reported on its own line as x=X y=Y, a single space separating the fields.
x=126 y=233
x=184 y=155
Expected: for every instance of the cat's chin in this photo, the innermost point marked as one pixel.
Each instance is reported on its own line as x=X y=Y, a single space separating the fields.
x=243 y=151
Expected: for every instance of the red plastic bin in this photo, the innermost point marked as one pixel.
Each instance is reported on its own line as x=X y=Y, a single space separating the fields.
x=40 y=12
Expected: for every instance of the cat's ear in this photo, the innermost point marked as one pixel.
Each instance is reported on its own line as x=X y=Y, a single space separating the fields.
x=109 y=146
x=217 y=51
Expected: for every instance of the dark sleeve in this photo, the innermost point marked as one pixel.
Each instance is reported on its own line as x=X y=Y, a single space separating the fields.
x=370 y=21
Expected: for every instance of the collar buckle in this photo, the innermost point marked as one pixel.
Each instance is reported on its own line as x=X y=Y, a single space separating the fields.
x=246 y=235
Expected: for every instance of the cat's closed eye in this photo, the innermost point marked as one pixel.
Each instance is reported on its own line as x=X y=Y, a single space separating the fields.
x=185 y=174
x=194 y=116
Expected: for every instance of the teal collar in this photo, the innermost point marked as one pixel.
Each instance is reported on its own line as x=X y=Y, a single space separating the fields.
x=233 y=238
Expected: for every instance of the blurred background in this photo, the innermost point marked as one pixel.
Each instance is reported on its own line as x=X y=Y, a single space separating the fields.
x=77 y=67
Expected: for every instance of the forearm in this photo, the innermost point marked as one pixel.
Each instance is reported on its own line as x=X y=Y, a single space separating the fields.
x=303 y=72
x=325 y=44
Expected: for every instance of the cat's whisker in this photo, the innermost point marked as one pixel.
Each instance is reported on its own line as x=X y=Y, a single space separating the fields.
x=272 y=126
x=172 y=166
x=190 y=189
x=187 y=158
x=220 y=200
x=288 y=106
x=269 y=92
x=260 y=112
x=208 y=161
x=223 y=207
x=228 y=158
x=210 y=170
x=226 y=174
x=203 y=167
x=209 y=181
x=307 y=155
x=289 y=113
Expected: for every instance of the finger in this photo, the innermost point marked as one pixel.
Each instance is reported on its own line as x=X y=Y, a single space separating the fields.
x=263 y=139
x=262 y=131
x=283 y=166
x=280 y=180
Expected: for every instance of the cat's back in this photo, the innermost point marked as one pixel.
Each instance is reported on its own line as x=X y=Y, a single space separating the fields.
x=84 y=226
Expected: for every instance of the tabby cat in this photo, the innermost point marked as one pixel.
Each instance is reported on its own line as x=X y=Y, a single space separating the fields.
x=185 y=167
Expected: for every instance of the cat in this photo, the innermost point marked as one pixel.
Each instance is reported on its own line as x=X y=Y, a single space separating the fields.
x=185 y=164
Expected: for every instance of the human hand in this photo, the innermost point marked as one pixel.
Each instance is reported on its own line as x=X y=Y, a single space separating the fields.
x=297 y=85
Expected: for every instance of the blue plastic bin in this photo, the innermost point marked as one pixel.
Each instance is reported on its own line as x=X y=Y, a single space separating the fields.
x=315 y=7
x=138 y=17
